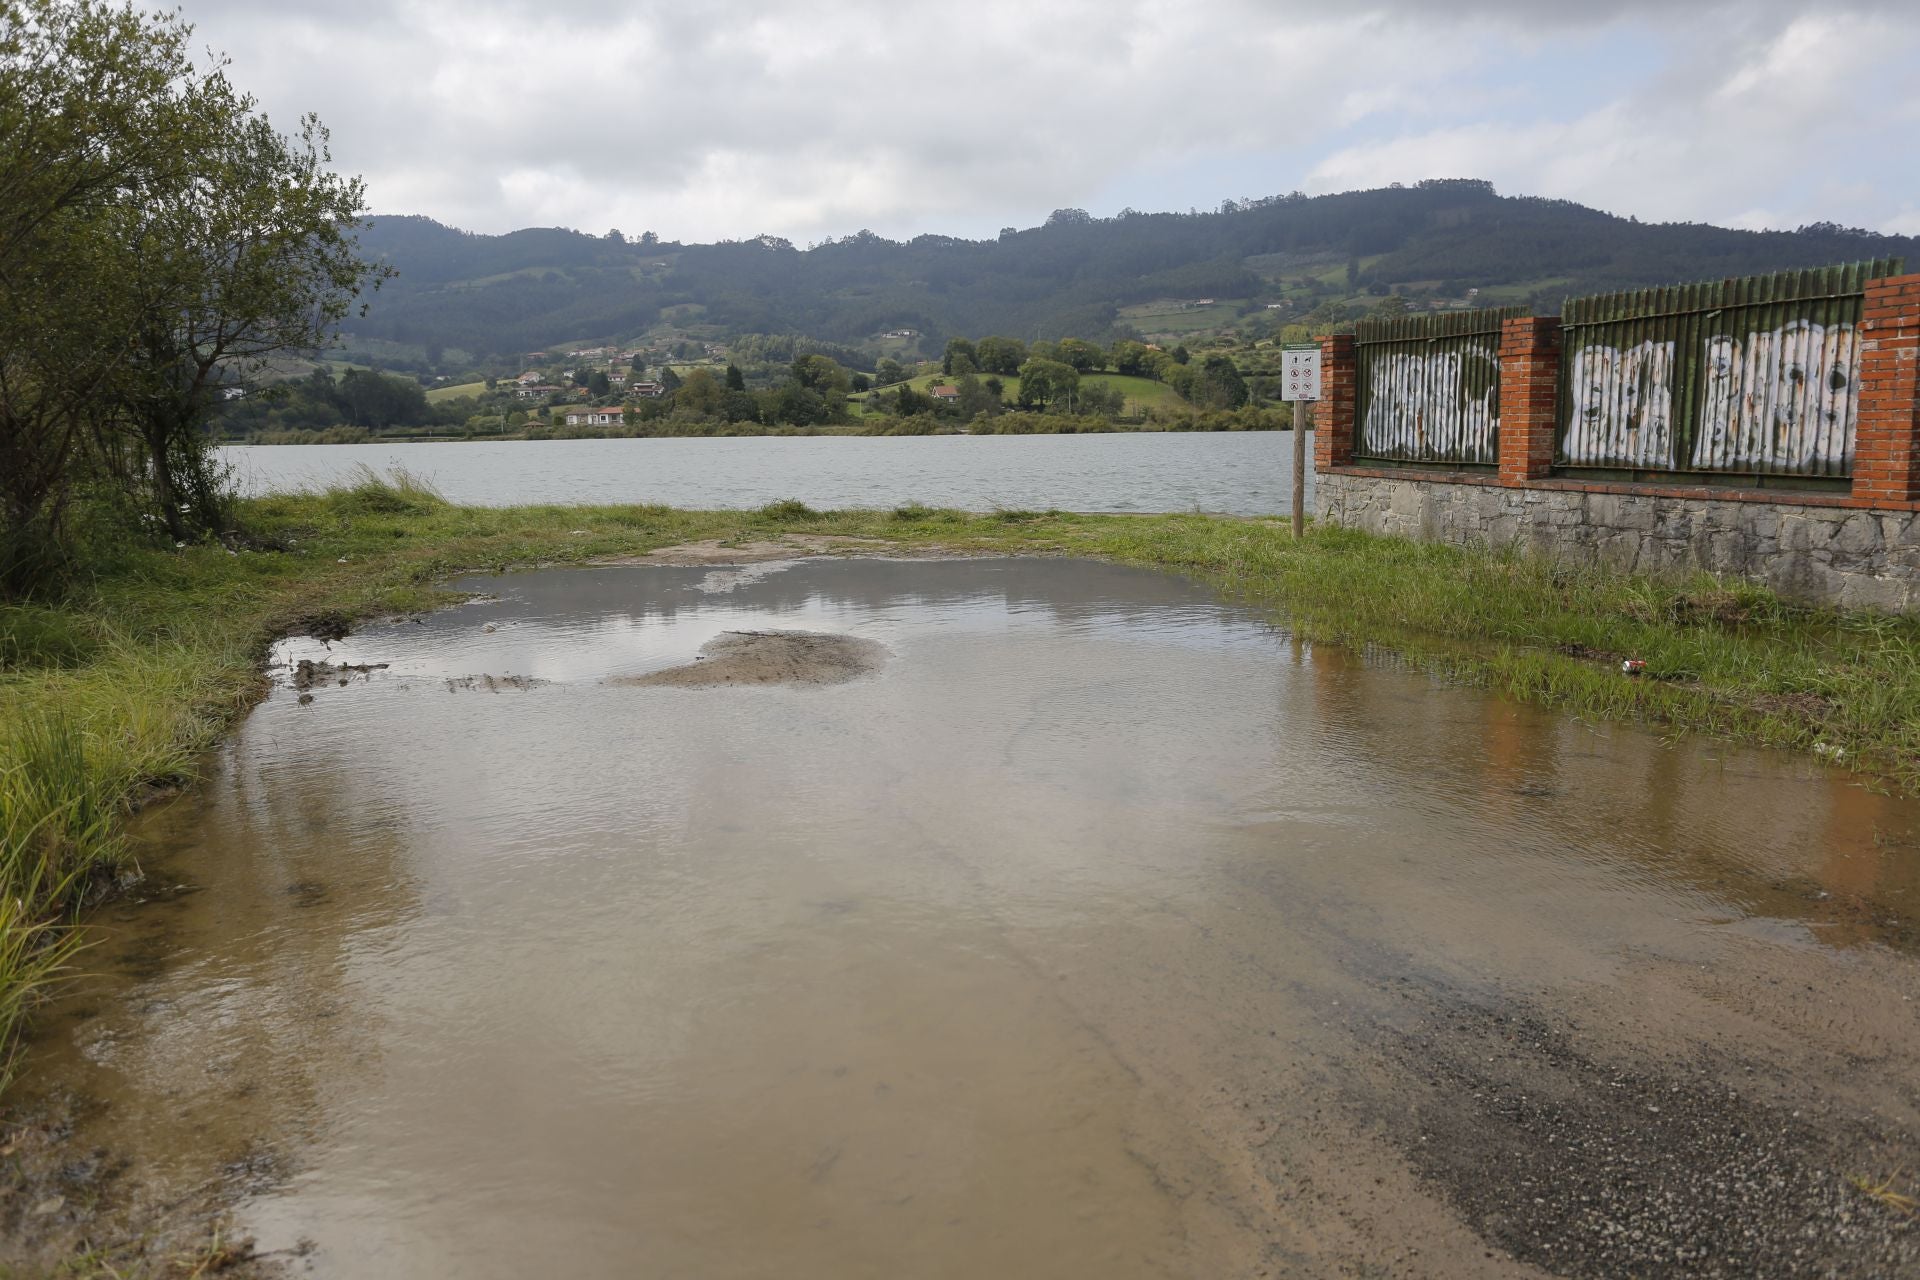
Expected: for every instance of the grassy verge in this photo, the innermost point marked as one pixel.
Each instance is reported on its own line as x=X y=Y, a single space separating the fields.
x=122 y=685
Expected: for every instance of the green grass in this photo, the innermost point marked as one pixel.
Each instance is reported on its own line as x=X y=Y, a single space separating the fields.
x=454 y=392
x=1141 y=393
x=125 y=683
x=1171 y=320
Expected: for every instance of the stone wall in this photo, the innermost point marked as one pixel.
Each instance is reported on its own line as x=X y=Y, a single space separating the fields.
x=1803 y=549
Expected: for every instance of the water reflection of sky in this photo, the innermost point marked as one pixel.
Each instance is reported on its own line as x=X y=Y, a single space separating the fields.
x=596 y=624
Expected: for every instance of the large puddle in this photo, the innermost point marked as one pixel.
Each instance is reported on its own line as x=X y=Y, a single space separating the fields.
x=1093 y=927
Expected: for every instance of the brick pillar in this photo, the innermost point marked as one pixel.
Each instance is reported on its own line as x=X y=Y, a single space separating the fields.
x=1529 y=397
x=1333 y=411
x=1886 y=458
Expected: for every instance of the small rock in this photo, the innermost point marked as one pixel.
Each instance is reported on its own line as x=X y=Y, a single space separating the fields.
x=51 y=1205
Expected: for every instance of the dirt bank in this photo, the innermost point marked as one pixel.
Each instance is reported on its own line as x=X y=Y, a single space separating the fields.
x=807 y=658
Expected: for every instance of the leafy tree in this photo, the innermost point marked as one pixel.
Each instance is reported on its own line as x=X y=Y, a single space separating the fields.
x=975 y=399
x=183 y=241
x=376 y=400
x=795 y=404
x=1102 y=401
x=93 y=104
x=1132 y=358
x=888 y=372
x=247 y=255
x=599 y=384
x=702 y=393
x=999 y=355
x=861 y=382
x=959 y=349
x=1181 y=355
x=1042 y=382
x=1181 y=377
x=736 y=381
x=1082 y=355
x=822 y=375
x=1219 y=385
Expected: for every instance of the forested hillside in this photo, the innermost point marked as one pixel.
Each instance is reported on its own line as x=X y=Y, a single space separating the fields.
x=1285 y=258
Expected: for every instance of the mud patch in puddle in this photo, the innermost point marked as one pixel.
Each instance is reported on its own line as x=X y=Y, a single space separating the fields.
x=808 y=658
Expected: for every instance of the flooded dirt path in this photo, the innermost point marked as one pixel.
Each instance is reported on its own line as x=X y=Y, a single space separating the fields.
x=1075 y=924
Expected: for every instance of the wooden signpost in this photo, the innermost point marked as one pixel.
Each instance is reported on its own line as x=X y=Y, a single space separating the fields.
x=1300 y=384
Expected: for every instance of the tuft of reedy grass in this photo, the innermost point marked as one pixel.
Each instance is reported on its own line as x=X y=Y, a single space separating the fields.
x=920 y=513
x=1882 y=1192
x=60 y=810
x=788 y=510
x=399 y=492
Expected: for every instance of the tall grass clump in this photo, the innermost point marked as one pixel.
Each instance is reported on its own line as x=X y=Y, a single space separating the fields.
x=787 y=510
x=398 y=493
x=60 y=811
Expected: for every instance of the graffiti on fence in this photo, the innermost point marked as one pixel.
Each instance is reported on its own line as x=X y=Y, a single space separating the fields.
x=1783 y=400
x=1757 y=376
x=1434 y=405
x=1621 y=406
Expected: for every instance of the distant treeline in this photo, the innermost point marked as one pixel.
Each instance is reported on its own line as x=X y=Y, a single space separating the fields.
x=356 y=405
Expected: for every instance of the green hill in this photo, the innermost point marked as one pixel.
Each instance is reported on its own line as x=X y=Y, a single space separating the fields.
x=1454 y=243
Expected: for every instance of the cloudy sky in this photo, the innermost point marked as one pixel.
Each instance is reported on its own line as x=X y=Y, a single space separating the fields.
x=732 y=118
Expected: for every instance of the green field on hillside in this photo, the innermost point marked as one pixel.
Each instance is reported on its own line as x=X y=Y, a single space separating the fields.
x=1172 y=319
x=455 y=391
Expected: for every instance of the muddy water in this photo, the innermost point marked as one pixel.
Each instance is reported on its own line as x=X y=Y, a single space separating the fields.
x=1100 y=929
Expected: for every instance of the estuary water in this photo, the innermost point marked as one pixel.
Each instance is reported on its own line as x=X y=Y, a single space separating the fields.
x=1234 y=473
x=1096 y=928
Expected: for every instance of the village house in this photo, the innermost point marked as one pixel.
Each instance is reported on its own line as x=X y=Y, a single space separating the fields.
x=537 y=391
x=648 y=390
x=611 y=416
x=944 y=395
x=528 y=378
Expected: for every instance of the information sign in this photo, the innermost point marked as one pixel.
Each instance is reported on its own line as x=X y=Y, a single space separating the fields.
x=1300 y=372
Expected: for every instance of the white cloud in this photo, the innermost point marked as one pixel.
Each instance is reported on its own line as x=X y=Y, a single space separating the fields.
x=743 y=116
x=1774 y=132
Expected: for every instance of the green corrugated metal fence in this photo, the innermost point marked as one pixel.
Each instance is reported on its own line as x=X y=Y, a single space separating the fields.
x=1754 y=376
x=1428 y=388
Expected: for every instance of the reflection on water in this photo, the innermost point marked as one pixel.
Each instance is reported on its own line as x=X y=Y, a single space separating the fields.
x=968 y=968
